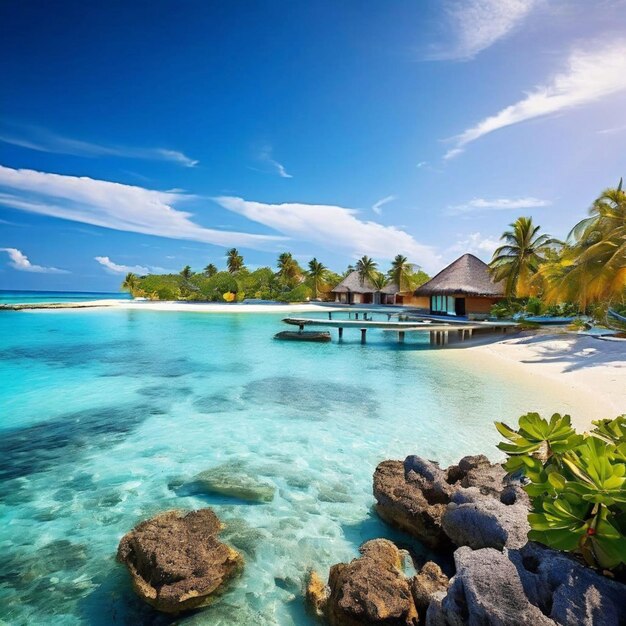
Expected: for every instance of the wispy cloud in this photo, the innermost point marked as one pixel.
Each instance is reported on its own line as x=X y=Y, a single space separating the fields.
x=19 y=261
x=118 y=268
x=590 y=75
x=497 y=204
x=612 y=131
x=478 y=24
x=335 y=228
x=475 y=243
x=378 y=206
x=116 y=206
x=42 y=140
x=266 y=156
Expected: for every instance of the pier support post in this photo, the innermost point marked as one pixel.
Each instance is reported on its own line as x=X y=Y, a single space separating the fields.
x=432 y=338
x=401 y=337
x=357 y=315
x=363 y=332
x=330 y=315
x=445 y=337
x=340 y=333
x=301 y=327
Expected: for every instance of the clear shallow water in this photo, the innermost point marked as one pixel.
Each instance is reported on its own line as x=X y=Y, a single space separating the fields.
x=24 y=297
x=105 y=412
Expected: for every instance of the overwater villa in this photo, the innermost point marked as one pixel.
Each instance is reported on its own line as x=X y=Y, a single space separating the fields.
x=355 y=290
x=464 y=287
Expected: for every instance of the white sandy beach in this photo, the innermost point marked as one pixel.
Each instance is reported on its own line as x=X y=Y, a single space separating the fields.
x=583 y=369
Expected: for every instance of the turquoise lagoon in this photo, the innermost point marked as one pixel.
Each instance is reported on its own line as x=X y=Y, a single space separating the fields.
x=106 y=412
x=22 y=297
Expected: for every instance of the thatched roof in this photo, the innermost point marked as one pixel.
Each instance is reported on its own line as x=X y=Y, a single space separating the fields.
x=468 y=275
x=390 y=289
x=352 y=284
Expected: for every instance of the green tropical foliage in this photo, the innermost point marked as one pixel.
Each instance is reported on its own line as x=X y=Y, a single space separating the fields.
x=367 y=268
x=577 y=484
x=234 y=261
x=289 y=271
x=401 y=272
x=518 y=260
x=317 y=273
x=210 y=270
x=592 y=267
x=131 y=283
x=587 y=272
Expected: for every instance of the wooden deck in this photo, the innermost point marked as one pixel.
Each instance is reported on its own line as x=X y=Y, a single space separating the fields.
x=439 y=332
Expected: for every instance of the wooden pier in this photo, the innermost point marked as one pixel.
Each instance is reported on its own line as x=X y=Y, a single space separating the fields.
x=440 y=333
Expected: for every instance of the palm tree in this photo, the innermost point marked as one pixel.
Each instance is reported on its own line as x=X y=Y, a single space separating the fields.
x=401 y=272
x=234 y=261
x=518 y=260
x=186 y=272
x=131 y=283
x=210 y=270
x=317 y=272
x=597 y=260
x=367 y=269
x=288 y=268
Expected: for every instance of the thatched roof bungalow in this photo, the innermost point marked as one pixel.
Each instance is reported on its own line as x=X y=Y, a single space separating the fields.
x=353 y=290
x=464 y=287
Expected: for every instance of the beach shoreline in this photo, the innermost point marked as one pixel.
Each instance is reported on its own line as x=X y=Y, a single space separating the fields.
x=186 y=307
x=581 y=368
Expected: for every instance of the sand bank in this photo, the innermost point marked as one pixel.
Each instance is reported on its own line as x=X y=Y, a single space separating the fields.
x=583 y=369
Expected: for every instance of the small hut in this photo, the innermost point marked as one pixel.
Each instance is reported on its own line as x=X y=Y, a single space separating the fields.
x=353 y=290
x=463 y=288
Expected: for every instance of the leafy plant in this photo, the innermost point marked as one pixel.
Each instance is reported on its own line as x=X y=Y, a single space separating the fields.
x=577 y=484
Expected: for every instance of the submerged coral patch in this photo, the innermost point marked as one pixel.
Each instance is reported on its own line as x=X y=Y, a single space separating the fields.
x=37 y=448
x=312 y=399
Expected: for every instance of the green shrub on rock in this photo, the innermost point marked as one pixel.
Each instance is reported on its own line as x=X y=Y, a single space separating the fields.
x=577 y=484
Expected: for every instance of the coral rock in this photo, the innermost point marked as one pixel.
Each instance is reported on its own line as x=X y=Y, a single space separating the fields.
x=176 y=561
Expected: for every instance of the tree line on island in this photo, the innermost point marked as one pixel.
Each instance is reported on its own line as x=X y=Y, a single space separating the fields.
x=585 y=273
x=289 y=282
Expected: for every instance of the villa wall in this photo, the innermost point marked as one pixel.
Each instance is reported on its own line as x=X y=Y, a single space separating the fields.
x=479 y=305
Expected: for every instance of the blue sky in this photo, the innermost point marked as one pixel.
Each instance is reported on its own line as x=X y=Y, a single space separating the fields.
x=145 y=136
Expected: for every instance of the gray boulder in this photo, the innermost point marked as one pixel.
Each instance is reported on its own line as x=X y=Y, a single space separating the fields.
x=407 y=501
x=485 y=591
x=566 y=590
x=478 y=521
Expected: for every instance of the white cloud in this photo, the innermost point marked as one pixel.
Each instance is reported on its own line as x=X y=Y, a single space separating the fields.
x=612 y=131
x=498 y=204
x=478 y=244
x=265 y=156
x=377 y=206
x=116 y=268
x=478 y=24
x=19 y=261
x=589 y=76
x=45 y=141
x=334 y=228
x=117 y=206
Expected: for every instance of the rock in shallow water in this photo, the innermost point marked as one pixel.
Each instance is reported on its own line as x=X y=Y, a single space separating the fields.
x=369 y=590
x=176 y=561
x=462 y=505
x=228 y=480
x=486 y=590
